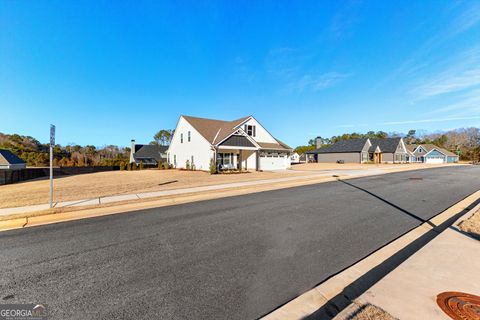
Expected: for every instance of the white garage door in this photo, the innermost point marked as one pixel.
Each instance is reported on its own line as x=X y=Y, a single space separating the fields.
x=434 y=160
x=272 y=163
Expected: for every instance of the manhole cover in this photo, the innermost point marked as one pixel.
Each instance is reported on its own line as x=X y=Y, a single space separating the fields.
x=459 y=305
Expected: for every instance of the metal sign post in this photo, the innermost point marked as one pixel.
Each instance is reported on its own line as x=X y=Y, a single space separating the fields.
x=52 y=144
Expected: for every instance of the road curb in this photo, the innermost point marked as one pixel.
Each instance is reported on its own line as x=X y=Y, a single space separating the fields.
x=13 y=223
x=77 y=213
x=332 y=291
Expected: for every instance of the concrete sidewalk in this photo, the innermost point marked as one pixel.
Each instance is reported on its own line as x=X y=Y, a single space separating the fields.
x=146 y=195
x=450 y=262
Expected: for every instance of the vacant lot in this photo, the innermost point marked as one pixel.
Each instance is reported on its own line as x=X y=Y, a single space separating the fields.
x=94 y=185
x=472 y=225
x=102 y=184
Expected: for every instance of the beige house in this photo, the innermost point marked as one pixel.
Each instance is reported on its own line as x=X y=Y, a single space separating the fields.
x=388 y=150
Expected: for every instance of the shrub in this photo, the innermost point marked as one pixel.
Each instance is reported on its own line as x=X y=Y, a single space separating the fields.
x=134 y=166
x=122 y=166
x=141 y=165
x=160 y=165
x=213 y=167
x=187 y=165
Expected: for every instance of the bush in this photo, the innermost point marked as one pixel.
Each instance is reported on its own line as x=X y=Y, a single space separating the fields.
x=134 y=166
x=160 y=165
x=141 y=165
x=187 y=165
x=213 y=167
x=122 y=166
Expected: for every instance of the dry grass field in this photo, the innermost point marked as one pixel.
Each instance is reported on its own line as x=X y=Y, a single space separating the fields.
x=101 y=184
x=472 y=225
x=86 y=186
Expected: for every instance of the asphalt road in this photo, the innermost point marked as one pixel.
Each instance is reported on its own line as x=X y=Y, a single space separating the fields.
x=230 y=258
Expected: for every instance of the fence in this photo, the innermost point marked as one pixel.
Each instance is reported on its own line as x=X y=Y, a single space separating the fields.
x=8 y=176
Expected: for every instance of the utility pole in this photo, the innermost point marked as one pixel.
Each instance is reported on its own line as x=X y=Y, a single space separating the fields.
x=52 y=144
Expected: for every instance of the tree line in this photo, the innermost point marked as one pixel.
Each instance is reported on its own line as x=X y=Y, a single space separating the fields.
x=36 y=154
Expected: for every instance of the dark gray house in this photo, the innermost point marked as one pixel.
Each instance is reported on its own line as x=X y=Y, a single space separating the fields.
x=388 y=150
x=148 y=154
x=9 y=160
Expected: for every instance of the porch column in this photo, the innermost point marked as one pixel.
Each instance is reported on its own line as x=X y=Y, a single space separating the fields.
x=240 y=159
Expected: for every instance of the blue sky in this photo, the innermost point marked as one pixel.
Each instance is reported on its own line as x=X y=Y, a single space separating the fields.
x=108 y=71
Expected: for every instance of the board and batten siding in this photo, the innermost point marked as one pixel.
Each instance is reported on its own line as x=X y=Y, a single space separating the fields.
x=351 y=157
x=198 y=147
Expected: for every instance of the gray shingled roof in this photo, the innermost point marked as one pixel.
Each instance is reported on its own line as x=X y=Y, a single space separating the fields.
x=149 y=151
x=342 y=146
x=8 y=157
x=387 y=145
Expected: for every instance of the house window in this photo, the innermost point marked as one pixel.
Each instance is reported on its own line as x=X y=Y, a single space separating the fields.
x=250 y=130
x=189 y=138
x=181 y=137
x=225 y=158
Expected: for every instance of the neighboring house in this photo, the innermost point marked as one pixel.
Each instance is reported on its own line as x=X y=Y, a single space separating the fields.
x=239 y=144
x=430 y=153
x=148 y=154
x=295 y=158
x=9 y=160
x=390 y=150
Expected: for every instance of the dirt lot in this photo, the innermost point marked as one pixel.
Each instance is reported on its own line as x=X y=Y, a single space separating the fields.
x=472 y=225
x=102 y=184
x=89 y=186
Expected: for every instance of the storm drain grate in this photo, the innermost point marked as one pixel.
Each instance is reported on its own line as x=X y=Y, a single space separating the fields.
x=415 y=178
x=459 y=305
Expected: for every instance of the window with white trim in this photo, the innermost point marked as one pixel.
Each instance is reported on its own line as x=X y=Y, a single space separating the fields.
x=181 y=137
x=189 y=136
x=250 y=130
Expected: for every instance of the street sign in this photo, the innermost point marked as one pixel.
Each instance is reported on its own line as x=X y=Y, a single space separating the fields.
x=52 y=145
x=52 y=135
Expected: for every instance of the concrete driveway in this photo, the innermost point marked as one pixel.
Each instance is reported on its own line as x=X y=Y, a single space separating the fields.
x=229 y=258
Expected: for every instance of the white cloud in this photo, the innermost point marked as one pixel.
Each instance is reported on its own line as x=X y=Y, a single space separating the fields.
x=467 y=20
x=315 y=82
x=421 y=58
x=293 y=68
x=468 y=103
x=414 y=121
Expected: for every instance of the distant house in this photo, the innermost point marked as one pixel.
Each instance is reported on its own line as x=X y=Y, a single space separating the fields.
x=239 y=144
x=430 y=153
x=148 y=154
x=388 y=150
x=295 y=158
x=9 y=160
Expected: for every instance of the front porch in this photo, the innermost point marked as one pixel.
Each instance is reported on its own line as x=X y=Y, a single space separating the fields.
x=236 y=159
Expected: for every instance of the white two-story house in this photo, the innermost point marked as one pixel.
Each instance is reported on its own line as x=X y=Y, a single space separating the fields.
x=239 y=144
